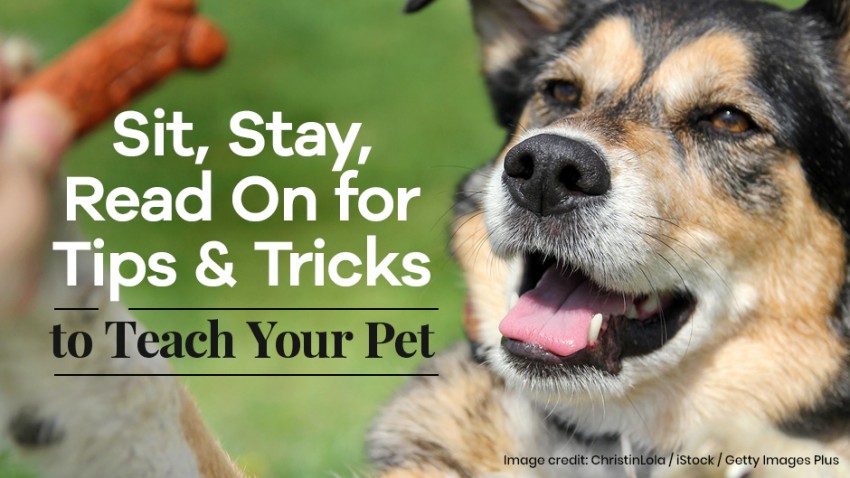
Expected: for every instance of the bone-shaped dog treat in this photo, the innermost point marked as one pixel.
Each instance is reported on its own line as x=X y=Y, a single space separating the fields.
x=146 y=43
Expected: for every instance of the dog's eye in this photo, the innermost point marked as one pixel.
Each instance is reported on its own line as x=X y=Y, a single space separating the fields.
x=731 y=120
x=564 y=93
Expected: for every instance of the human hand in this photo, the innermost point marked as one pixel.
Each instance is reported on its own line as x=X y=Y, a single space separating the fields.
x=34 y=132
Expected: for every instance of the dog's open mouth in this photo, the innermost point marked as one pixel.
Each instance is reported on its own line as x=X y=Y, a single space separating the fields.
x=563 y=317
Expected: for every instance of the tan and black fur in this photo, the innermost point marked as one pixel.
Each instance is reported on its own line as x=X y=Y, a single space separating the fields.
x=724 y=132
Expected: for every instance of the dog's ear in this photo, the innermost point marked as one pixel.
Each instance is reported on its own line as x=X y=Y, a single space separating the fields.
x=506 y=30
x=507 y=27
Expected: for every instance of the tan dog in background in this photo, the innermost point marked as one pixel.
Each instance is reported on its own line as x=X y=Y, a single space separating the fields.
x=74 y=427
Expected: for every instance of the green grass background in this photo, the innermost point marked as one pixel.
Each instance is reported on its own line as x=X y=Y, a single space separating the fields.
x=413 y=82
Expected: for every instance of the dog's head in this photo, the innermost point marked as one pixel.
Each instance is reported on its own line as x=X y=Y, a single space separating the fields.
x=669 y=214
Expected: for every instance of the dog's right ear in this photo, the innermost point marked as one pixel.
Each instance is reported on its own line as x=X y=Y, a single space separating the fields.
x=507 y=27
x=506 y=30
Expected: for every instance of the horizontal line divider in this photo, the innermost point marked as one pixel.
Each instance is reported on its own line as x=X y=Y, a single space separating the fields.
x=246 y=375
x=377 y=309
x=286 y=308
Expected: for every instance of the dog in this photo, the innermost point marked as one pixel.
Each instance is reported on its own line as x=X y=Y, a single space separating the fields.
x=657 y=260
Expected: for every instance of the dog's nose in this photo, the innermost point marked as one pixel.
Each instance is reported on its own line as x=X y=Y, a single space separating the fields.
x=549 y=174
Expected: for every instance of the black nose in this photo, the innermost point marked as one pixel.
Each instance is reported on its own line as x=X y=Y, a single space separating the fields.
x=549 y=174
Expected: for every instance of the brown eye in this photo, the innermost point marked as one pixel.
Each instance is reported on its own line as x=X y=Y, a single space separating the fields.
x=564 y=93
x=731 y=120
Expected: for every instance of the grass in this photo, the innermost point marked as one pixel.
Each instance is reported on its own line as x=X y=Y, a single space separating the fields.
x=413 y=82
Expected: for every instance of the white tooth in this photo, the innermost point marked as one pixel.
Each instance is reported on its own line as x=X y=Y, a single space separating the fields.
x=595 y=327
x=631 y=312
x=512 y=300
x=651 y=304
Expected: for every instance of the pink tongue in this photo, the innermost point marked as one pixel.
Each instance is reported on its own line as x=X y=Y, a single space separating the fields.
x=556 y=314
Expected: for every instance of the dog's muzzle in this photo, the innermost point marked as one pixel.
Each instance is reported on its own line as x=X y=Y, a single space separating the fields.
x=561 y=316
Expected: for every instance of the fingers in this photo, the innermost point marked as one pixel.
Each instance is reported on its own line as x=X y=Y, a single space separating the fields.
x=34 y=128
x=17 y=61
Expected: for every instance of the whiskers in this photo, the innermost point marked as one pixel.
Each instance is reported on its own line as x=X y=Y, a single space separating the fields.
x=722 y=279
x=685 y=254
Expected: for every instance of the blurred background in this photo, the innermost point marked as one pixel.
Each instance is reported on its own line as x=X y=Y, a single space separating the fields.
x=413 y=82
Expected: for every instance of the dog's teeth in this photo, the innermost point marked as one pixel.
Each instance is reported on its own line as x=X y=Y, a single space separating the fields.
x=512 y=300
x=595 y=327
x=650 y=306
x=632 y=312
